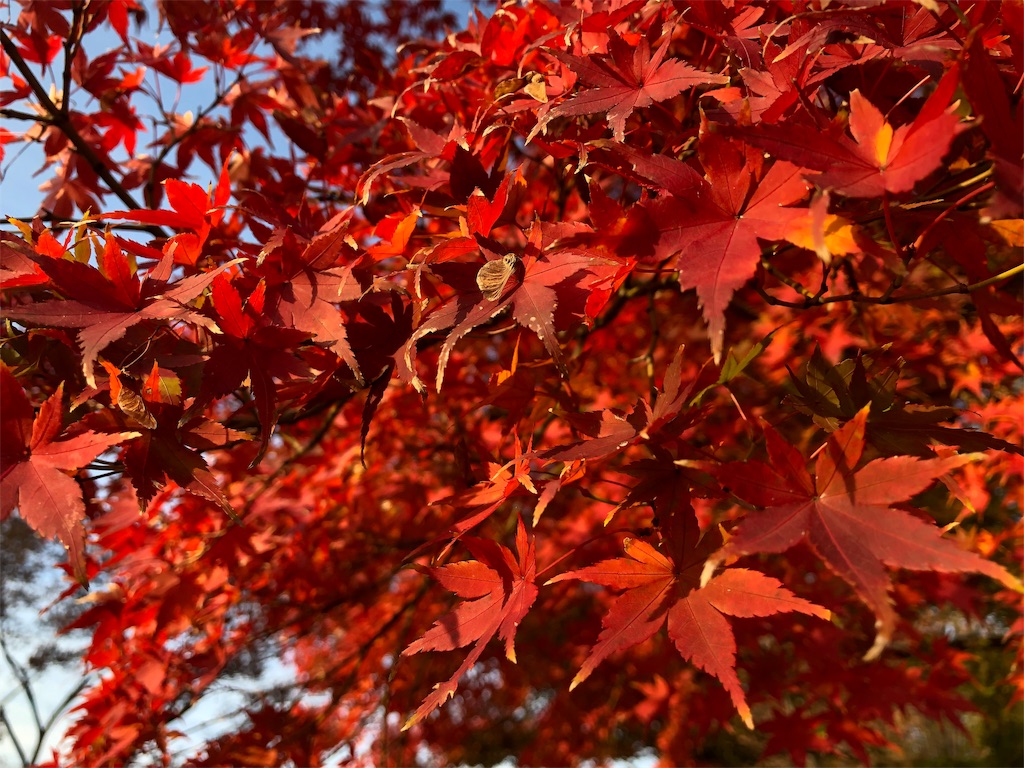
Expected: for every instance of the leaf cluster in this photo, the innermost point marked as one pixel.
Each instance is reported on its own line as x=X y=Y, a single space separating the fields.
x=712 y=306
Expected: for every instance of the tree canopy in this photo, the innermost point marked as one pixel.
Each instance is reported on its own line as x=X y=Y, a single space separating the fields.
x=572 y=381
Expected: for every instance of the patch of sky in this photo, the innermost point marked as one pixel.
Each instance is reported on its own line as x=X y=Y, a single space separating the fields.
x=21 y=196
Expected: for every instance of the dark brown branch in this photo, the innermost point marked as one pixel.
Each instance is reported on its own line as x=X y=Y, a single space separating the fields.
x=15 y=114
x=71 y=47
x=59 y=222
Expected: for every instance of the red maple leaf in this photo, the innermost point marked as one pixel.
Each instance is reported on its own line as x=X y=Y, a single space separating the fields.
x=194 y=210
x=772 y=87
x=848 y=516
x=545 y=294
x=307 y=304
x=878 y=158
x=1001 y=123
x=429 y=144
x=627 y=79
x=714 y=225
x=103 y=304
x=663 y=586
x=555 y=285
x=163 y=453
x=249 y=348
x=481 y=213
x=498 y=588
x=504 y=481
x=304 y=286
x=33 y=475
x=609 y=430
x=17 y=268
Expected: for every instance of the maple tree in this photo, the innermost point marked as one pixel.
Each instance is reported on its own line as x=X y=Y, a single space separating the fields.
x=579 y=381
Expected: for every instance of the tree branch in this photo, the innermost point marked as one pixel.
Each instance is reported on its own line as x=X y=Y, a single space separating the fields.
x=858 y=298
x=26 y=686
x=14 y=738
x=62 y=120
x=57 y=712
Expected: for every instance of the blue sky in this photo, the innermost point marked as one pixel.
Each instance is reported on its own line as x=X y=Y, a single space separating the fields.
x=19 y=182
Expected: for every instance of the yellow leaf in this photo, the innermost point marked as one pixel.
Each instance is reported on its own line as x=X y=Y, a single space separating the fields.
x=839 y=235
x=1011 y=230
x=24 y=227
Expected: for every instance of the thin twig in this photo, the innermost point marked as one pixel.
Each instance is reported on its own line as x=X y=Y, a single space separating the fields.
x=14 y=738
x=70 y=51
x=57 y=713
x=858 y=298
x=26 y=686
x=59 y=222
x=785 y=279
x=197 y=123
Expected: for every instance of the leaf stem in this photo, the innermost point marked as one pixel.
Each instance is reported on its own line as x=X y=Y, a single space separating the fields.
x=891 y=228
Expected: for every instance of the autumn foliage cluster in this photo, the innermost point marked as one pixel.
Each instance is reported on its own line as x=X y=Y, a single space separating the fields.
x=579 y=381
